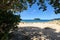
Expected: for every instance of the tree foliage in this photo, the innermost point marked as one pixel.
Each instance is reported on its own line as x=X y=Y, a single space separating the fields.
x=8 y=22
x=20 y=5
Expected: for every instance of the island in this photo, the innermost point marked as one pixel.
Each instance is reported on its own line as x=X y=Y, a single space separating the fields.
x=36 y=18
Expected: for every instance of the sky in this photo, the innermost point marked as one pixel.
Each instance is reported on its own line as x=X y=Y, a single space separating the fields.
x=34 y=12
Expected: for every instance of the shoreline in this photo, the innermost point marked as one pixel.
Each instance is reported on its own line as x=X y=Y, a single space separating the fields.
x=51 y=24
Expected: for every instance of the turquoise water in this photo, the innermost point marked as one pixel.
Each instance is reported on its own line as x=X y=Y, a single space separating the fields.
x=35 y=20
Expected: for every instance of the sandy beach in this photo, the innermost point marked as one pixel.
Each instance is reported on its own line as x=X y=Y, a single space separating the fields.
x=38 y=31
x=52 y=24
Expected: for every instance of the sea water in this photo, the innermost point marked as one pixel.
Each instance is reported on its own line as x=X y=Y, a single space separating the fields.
x=35 y=20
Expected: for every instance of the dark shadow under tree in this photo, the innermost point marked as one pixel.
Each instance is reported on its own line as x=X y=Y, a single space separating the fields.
x=8 y=22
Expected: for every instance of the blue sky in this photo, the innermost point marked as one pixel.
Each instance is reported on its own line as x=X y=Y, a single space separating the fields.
x=34 y=12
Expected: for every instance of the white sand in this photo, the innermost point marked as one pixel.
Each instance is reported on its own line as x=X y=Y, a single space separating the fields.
x=52 y=24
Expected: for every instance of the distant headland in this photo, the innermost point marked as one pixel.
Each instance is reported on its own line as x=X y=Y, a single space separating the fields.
x=56 y=19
